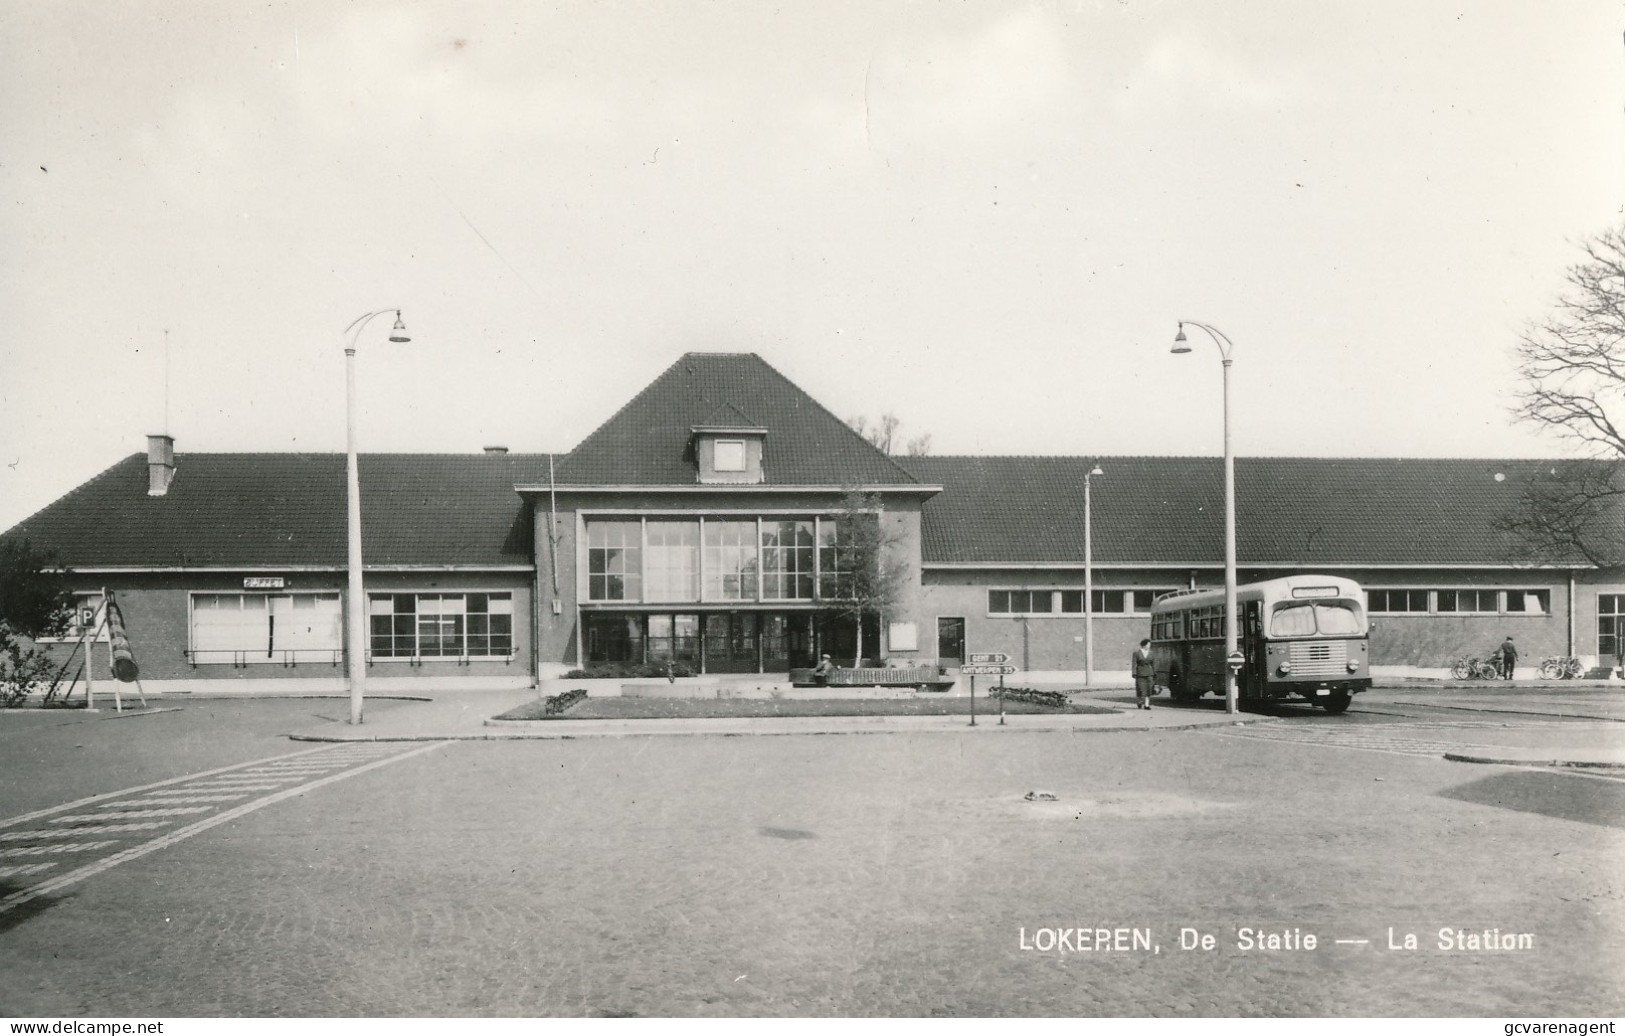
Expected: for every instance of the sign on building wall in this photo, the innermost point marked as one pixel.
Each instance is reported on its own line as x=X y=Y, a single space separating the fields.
x=262 y=582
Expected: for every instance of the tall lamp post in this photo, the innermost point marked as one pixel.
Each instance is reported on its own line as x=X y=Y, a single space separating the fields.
x=358 y=596
x=1226 y=347
x=1089 y=580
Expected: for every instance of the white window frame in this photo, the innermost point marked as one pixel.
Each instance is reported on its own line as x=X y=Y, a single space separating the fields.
x=418 y=595
x=258 y=654
x=717 y=454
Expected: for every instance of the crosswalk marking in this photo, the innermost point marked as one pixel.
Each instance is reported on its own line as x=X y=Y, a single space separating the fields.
x=19 y=870
x=113 y=810
x=115 y=805
x=61 y=847
x=181 y=800
x=70 y=832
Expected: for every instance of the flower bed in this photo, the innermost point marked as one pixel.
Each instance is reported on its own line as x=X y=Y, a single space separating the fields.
x=558 y=703
x=1033 y=696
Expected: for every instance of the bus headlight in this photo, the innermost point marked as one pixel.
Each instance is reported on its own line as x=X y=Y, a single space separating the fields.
x=1354 y=666
x=1285 y=669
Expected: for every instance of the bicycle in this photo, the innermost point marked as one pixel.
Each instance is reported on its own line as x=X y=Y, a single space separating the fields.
x=1475 y=669
x=1560 y=667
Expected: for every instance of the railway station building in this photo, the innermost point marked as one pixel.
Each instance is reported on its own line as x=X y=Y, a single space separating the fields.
x=703 y=524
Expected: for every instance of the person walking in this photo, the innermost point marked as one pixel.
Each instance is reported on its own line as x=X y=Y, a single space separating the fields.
x=1509 y=658
x=1144 y=671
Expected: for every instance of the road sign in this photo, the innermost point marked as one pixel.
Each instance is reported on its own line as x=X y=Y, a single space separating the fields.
x=1235 y=660
x=988 y=658
x=987 y=670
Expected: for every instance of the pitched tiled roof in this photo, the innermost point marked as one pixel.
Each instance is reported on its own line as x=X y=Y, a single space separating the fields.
x=274 y=509
x=647 y=441
x=1170 y=510
x=727 y=416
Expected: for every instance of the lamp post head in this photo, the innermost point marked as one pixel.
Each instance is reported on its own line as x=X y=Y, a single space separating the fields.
x=1097 y=471
x=398 y=333
x=1180 y=344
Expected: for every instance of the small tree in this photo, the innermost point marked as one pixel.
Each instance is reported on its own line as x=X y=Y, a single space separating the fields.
x=1572 y=368
x=860 y=576
x=35 y=601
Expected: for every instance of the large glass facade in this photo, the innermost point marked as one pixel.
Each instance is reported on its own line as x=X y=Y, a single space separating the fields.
x=718 y=560
x=715 y=641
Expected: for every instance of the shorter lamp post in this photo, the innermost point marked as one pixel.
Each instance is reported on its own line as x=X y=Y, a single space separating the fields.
x=1225 y=347
x=1089 y=580
x=357 y=592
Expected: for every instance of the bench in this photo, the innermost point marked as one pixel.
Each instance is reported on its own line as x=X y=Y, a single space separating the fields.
x=926 y=678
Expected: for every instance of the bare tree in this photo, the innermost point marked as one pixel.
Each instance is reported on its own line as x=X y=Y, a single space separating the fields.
x=1569 y=514
x=882 y=435
x=1572 y=368
x=1572 y=363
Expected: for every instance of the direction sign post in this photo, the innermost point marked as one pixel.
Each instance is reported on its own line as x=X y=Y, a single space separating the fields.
x=1001 y=699
x=972 y=699
x=988 y=658
x=986 y=670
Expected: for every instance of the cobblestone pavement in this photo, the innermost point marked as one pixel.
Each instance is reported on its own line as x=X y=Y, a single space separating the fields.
x=1424 y=738
x=899 y=875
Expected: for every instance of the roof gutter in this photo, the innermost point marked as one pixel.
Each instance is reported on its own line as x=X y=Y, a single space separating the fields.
x=1078 y=566
x=725 y=487
x=130 y=569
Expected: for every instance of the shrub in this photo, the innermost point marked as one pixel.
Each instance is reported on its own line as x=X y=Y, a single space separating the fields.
x=22 y=670
x=1049 y=699
x=629 y=671
x=558 y=703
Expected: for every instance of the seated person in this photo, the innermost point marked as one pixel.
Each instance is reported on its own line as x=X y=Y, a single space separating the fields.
x=822 y=670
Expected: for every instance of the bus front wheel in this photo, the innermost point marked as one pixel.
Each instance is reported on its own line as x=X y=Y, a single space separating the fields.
x=1337 y=703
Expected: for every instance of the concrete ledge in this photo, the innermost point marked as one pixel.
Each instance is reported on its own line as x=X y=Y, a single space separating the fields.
x=1535 y=757
x=727 y=691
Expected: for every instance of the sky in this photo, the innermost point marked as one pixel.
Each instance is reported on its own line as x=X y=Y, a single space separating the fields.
x=984 y=218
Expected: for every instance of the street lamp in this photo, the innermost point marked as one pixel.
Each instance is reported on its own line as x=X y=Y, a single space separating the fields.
x=1088 y=581
x=1226 y=347
x=358 y=597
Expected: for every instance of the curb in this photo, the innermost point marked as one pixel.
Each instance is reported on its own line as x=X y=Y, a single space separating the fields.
x=567 y=735
x=1577 y=764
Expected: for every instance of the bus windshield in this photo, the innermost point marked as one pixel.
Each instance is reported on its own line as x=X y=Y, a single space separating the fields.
x=1327 y=618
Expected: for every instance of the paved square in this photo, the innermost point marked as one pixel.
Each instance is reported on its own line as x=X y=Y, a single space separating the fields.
x=891 y=874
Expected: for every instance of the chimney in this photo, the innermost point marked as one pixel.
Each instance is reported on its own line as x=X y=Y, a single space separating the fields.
x=160 y=464
x=495 y=450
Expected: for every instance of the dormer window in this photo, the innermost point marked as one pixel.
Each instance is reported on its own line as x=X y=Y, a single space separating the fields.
x=730 y=455
x=727 y=448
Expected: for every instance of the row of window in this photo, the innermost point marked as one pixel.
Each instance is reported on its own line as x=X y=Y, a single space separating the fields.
x=284 y=628
x=1070 y=602
x=1416 y=601
x=754 y=559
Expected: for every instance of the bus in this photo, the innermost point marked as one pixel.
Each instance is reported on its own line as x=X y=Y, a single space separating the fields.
x=1299 y=636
